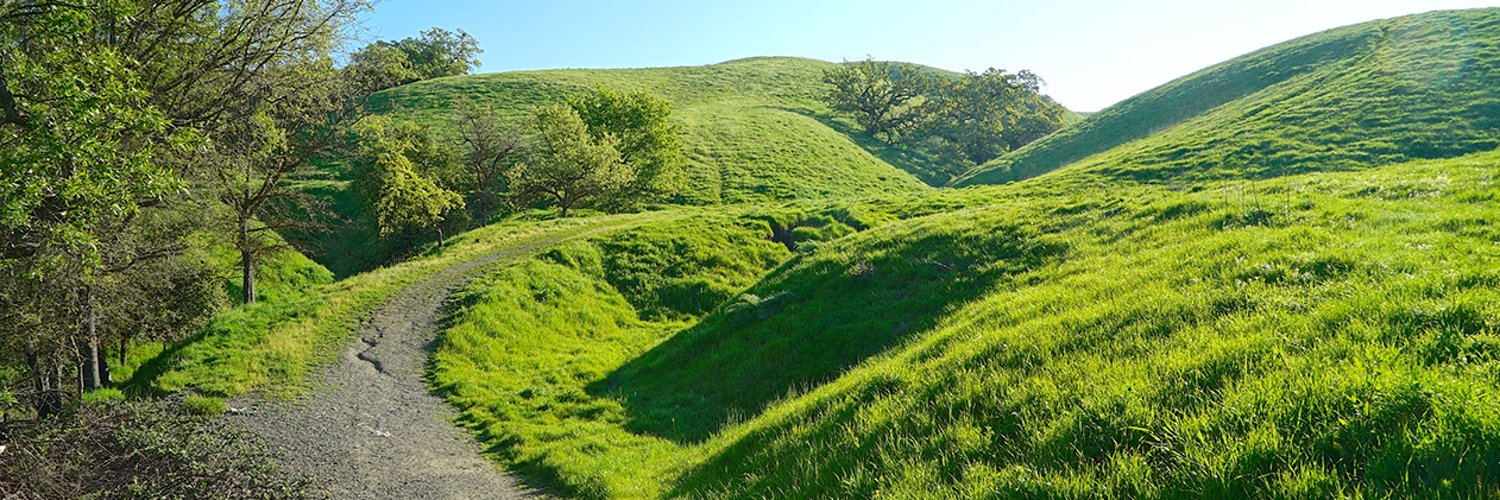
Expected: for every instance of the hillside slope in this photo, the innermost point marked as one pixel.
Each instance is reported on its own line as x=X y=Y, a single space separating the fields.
x=1422 y=86
x=1306 y=307
x=1314 y=335
x=755 y=128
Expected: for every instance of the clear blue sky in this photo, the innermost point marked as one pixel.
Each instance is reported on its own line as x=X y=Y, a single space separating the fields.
x=1092 y=53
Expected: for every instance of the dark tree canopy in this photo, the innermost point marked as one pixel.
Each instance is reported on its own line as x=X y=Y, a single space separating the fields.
x=883 y=96
x=436 y=53
x=974 y=117
x=123 y=127
x=984 y=115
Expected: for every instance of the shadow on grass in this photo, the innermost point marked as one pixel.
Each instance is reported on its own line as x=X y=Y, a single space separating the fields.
x=932 y=169
x=808 y=322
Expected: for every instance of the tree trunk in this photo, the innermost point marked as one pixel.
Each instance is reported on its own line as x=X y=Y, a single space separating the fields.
x=8 y=110
x=124 y=347
x=247 y=262
x=439 y=228
x=48 y=401
x=103 y=362
x=89 y=365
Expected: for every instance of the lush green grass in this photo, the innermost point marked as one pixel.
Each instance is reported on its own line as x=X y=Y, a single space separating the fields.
x=1376 y=93
x=755 y=129
x=1308 y=335
x=271 y=345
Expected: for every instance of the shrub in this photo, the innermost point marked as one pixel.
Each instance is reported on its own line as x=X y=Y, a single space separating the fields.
x=204 y=406
x=138 y=449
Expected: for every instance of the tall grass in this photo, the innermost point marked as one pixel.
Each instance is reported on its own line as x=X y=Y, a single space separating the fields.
x=1308 y=335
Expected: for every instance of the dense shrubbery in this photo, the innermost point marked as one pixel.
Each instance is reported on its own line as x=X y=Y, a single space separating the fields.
x=140 y=449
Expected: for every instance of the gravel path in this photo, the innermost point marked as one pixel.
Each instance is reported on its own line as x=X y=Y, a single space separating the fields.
x=373 y=430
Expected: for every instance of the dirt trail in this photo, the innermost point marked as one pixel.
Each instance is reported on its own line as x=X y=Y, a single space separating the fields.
x=373 y=430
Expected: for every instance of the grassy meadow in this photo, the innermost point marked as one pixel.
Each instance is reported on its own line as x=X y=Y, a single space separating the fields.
x=1349 y=98
x=1276 y=277
x=754 y=130
x=1309 y=335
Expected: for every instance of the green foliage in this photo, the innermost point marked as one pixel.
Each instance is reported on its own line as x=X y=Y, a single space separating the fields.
x=107 y=395
x=80 y=138
x=1294 y=336
x=436 y=53
x=408 y=200
x=377 y=136
x=569 y=166
x=753 y=129
x=650 y=141
x=400 y=196
x=1354 y=97
x=983 y=115
x=971 y=118
x=439 y=52
x=380 y=66
x=204 y=406
x=140 y=449
x=885 y=97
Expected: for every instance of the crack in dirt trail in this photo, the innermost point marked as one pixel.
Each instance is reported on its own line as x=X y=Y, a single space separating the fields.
x=374 y=430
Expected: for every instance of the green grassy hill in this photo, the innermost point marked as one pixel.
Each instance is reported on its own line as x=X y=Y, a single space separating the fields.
x=1305 y=336
x=756 y=129
x=1387 y=91
x=1274 y=278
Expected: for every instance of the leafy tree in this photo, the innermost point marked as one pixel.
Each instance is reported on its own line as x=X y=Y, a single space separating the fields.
x=569 y=167
x=410 y=201
x=649 y=140
x=434 y=54
x=883 y=96
x=977 y=116
x=378 y=134
x=439 y=53
x=256 y=159
x=380 y=66
x=492 y=149
x=394 y=154
x=983 y=115
x=79 y=138
x=108 y=110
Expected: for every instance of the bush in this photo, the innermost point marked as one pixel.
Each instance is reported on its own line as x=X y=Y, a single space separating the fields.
x=138 y=449
x=205 y=406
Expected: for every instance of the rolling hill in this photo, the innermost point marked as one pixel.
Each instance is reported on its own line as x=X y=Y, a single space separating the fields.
x=1273 y=278
x=1311 y=335
x=1313 y=319
x=755 y=129
x=1382 y=92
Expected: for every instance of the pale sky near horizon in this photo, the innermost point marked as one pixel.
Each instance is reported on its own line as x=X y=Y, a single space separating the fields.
x=1091 y=53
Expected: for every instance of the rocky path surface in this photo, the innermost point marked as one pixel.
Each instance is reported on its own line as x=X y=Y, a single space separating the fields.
x=372 y=429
